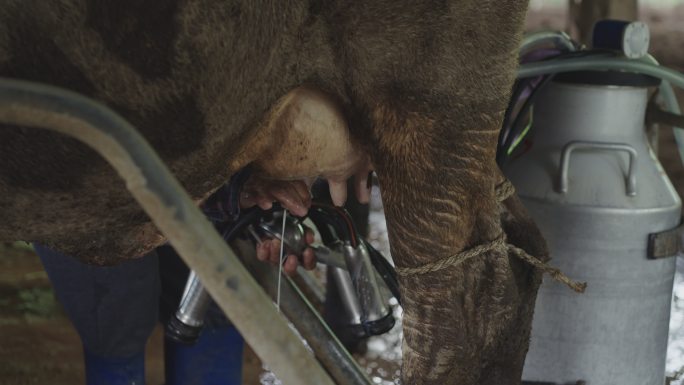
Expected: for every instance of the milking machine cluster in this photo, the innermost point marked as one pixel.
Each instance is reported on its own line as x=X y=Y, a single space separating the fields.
x=575 y=147
x=365 y=280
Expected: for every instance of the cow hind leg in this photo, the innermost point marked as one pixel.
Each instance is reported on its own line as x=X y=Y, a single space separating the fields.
x=509 y=354
x=466 y=322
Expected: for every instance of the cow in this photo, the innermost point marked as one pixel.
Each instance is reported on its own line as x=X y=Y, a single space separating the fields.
x=414 y=90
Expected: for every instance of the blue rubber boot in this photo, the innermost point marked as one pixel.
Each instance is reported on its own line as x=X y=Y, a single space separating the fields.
x=216 y=358
x=114 y=371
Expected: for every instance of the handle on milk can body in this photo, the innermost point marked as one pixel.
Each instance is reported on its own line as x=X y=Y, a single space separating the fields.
x=630 y=183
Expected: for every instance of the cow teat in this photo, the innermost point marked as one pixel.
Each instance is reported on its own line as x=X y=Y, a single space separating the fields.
x=309 y=137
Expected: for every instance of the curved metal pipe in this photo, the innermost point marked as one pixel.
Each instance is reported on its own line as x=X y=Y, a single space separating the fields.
x=558 y=38
x=173 y=212
x=327 y=348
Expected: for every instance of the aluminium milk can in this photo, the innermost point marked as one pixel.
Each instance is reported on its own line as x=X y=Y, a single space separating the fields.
x=597 y=191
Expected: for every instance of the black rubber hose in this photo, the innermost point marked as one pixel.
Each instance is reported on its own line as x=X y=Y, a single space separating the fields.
x=385 y=269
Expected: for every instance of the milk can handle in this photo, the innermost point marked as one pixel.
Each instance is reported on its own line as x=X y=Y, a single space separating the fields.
x=582 y=145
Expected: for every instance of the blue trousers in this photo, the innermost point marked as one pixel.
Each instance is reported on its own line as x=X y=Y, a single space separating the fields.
x=114 y=310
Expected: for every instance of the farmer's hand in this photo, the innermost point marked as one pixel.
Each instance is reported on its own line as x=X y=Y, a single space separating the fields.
x=296 y=198
x=269 y=251
x=293 y=195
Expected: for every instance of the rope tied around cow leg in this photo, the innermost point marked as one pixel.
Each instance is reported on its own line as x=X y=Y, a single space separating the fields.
x=503 y=191
x=554 y=272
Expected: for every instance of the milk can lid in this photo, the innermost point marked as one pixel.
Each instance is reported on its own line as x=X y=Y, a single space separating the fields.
x=607 y=78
